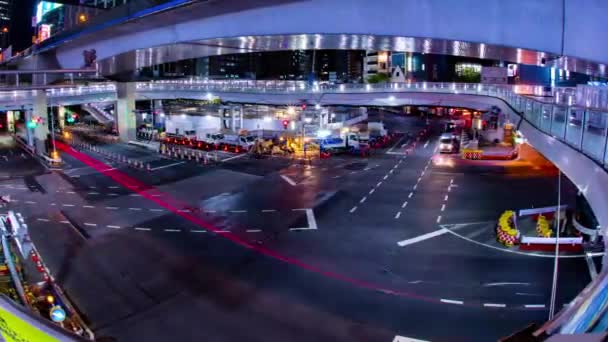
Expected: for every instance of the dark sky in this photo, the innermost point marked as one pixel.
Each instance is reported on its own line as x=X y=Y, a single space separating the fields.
x=21 y=24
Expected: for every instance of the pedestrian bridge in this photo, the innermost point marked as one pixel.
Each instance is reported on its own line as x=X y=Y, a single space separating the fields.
x=520 y=31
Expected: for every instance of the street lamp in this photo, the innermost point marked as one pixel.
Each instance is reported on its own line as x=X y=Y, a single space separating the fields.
x=82 y=18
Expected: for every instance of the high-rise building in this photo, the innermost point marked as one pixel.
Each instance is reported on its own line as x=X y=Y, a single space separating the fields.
x=6 y=8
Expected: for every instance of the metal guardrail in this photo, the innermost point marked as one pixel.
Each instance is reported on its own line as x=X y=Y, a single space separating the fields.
x=38 y=78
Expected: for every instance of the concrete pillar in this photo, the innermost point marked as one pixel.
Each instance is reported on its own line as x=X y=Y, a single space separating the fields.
x=61 y=117
x=41 y=132
x=125 y=111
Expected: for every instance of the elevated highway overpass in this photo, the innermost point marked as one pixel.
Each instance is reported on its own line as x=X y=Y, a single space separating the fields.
x=528 y=32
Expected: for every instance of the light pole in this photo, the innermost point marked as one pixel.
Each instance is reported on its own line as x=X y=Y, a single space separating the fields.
x=556 y=260
x=54 y=154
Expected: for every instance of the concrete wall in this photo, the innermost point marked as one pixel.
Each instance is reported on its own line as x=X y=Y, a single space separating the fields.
x=528 y=24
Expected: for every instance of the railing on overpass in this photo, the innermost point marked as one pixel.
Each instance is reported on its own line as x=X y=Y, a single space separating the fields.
x=19 y=79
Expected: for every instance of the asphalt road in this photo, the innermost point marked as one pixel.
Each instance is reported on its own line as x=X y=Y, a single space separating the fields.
x=350 y=249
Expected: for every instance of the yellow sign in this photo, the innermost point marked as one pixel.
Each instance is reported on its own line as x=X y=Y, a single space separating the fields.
x=16 y=329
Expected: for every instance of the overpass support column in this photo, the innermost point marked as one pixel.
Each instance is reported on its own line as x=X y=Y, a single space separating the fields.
x=61 y=117
x=38 y=135
x=125 y=111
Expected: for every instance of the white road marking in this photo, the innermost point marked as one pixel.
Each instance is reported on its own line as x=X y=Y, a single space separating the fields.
x=65 y=205
x=135 y=195
x=111 y=187
x=450 y=301
x=93 y=193
x=198 y=231
x=379 y=183
x=419 y=179
x=70 y=192
x=112 y=194
x=288 y=180
x=404 y=204
x=451 y=180
x=366 y=169
x=407 y=339
x=385 y=177
x=422 y=237
x=310 y=217
x=64 y=221
x=43 y=220
x=222 y=231
x=504 y=284
x=183 y=211
x=32 y=202
x=238 y=211
x=438 y=218
x=210 y=211
x=113 y=227
x=268 y=210
x=112 y=208
x=89 y=206
x=410 y=195
x=166 y=166
x=92 y=187
x=173 y=230
x=155 y=209
x=415 y=186
x=442 y=207
x=90 y=224
x=372 y=191
x=397 y=215
x=53 y=204
x=534 y=306
x=391 y=171
x=494 y=305
x=426 y=144
x=156 y=195
x=352 y=210
x=422 y=174
x=235 y=157
x=391 y=149
x=142 y=228
x=445 y=198
x=253 y=230
x=135 y=209
x=591 y=266
x=334 y=177
x=363 y=199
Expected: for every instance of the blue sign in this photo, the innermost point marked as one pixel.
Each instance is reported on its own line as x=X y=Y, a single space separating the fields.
x=57 y=314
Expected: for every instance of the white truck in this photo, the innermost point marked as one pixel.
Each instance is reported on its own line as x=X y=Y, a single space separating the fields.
x=243 y=141
x=345 y=142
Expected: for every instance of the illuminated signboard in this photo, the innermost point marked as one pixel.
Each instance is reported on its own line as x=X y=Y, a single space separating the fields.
x=43 y=8
x=44 y=32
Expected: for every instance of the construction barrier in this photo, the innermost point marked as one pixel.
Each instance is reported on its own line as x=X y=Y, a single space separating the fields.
x=542 y=227
x=506 y=230
x=472 y=154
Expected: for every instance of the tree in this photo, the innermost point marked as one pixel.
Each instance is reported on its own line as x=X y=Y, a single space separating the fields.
x=469 y=75
x=378 y=78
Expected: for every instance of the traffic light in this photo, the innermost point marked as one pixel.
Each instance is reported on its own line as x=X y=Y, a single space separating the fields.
x=71 y=117
x=33 y=123
x=285 y=123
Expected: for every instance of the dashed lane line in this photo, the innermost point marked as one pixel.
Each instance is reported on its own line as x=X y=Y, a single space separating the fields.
x=268 y=210
x=113 y=226
x=172 y=230
x=197 y=231
x=404 y=204
x=363 y=199
x=67 y=205
x=372 y=191
x=410 y=195
x=253 y=230
x=90 y=224
x=135 y=209
x=135 y=195
x=494 y=305
x=442 y=207
x=534 y=306
x=93 y=193
x=397 y=215
x=142 y=228
x=238 y=211
x=43 y=220
x=385 y=177
x=445 y=198
x=64 y=222
x=353 y=209
x=30 y=202
x=112 y=208
x=89 y=206
x=415 y=186
x=451 y=301
x=438 y=218
x=183 y=211
x=379 y=183
x=155 y=209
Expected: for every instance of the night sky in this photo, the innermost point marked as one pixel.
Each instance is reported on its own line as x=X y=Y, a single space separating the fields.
x=21 y=24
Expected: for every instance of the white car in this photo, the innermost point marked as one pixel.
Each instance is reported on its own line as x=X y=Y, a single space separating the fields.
x=448 y=143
